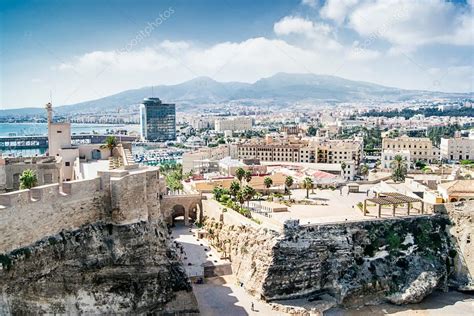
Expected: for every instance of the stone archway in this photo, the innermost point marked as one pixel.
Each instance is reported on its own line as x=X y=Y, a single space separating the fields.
x=453 y=200
x=189 y=206
x=178 y=210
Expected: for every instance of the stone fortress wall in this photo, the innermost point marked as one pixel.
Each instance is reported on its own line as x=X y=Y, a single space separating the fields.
x=116 y=197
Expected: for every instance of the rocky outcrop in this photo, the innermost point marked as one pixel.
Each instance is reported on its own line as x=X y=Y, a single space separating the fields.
x=99 y=268
x=401 y=260
x=461 y=215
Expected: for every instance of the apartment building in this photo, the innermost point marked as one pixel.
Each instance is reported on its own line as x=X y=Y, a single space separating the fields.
x=233 y=124
x=201 y=159
x=419 y=148
x=284 y=148
x=338 y=150
x=457 y=148
x=202 y=122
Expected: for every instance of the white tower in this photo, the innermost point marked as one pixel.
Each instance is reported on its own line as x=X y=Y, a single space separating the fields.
x=49 y=109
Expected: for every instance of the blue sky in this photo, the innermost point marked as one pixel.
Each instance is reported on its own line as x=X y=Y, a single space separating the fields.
x=83 y=50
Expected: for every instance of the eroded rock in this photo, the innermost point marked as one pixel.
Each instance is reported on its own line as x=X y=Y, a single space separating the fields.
x=100 y=268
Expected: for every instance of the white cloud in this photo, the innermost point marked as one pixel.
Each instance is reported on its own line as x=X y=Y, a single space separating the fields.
x=320 y=34
x=311 y=3
x=337 y=10
x=290 y=24
x=409 y=24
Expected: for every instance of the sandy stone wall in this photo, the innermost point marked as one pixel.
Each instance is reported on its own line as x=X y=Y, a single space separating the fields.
x=28 y=216
x=118 y=197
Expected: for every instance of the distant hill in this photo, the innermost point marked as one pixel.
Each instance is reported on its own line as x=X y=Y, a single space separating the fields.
x=282 y=89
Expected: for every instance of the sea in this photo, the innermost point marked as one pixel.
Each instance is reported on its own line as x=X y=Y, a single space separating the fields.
x=35 y=129
x=27 y=129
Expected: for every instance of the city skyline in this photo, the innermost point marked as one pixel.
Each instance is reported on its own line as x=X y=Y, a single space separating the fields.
x=90 y=50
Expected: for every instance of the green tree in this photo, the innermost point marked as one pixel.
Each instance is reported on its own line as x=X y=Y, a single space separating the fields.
x=308 y=185
x=248 y=193
x=234 y=188
x=399 y=169
x=343 y=167
x=288 y=183
x=110 y=143
x=364 y=170
x=248 y=176
x=312 y=131
x=217 y=192
x=268 y=182
x=240 y=197
x=28 y=179
x=420 y=164
x=240 y=173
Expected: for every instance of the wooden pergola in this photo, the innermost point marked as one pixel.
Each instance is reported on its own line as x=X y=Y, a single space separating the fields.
x=393 y=199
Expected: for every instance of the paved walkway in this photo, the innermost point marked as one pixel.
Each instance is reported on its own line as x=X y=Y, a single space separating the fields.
x=221 y=296
x=195 y=252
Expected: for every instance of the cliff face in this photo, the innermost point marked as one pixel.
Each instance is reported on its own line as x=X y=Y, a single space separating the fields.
x=462 y=231
x=99 y=268
x=400 y=260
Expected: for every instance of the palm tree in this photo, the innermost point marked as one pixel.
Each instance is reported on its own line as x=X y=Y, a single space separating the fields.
x=399 y=169
x=240 y=173
x=343 y=167
x=248 y=193
x=28 y=179
x=308 y=185
x=234 y=188
x=110 y=143
x=288 y=184
x=240 y=197
x=268 y=183
x=364 y=170
x=248 y=176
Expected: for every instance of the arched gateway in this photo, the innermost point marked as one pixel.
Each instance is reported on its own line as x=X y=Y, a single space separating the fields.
x=189 y=206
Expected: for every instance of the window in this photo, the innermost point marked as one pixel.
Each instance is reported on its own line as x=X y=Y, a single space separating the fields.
x=59 y=132
x=67 y=163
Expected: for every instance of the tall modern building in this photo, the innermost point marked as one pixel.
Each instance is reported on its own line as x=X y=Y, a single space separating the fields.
x=157 y=120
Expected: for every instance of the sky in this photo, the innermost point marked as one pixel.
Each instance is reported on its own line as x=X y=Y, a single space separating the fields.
x=73 y=51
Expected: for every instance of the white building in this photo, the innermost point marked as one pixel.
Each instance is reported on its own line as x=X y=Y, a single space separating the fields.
x=389 y=155
x=233 y=124
x=420 y=148
x=457 y=148
x=195 y=160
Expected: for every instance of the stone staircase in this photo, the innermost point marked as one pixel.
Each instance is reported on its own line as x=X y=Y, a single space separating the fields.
x=128 y=157
x=115 y=163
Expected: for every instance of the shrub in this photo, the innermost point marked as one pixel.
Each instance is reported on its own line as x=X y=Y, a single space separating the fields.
x=256 y=220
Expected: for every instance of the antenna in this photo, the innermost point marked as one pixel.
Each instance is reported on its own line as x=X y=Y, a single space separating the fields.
x=51 y=96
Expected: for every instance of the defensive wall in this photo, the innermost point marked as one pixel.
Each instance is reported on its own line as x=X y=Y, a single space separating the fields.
x=117 y=196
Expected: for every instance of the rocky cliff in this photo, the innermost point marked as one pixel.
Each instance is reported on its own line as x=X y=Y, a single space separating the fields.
x=462 y=231
x=399 y=260
x=99 y=268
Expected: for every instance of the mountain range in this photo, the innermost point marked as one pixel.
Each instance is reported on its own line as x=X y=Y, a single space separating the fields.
x=282 y=89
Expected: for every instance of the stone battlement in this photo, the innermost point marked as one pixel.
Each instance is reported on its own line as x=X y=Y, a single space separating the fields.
x=118 y=197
